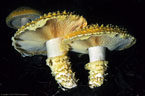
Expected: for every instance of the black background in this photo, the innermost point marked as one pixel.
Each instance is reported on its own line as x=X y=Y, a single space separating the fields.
x=30 y=75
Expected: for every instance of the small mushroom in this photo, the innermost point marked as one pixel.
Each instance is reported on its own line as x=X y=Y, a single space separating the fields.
x=44 y=37
x=21 y=16
x=94 y=40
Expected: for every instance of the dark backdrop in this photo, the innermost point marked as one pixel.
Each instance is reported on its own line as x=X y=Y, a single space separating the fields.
x=30 y=75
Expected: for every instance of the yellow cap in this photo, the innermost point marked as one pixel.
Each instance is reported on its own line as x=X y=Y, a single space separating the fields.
x=13 y=20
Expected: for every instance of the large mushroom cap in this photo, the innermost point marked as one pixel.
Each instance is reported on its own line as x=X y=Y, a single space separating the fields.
x=109 y=36
x=14 y=19
x=30 y=39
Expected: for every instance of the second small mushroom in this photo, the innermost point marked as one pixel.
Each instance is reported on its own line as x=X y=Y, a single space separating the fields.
x=21 y=16
x=94 y=40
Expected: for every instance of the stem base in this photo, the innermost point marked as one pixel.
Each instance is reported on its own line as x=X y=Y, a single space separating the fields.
x=61 y=70
x=96 y=73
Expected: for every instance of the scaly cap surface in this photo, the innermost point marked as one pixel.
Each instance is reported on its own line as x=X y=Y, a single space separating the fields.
x=112 y=37
x=30 y=39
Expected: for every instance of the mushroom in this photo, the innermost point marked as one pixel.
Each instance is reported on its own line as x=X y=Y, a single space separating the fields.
x=44 y=37
x=21 y=16
x=94 y=40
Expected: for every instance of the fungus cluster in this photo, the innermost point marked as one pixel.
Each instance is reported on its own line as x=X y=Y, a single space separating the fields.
x=56 y=33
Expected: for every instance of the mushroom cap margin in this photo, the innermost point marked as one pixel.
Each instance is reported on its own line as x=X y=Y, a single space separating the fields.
x=110 y=36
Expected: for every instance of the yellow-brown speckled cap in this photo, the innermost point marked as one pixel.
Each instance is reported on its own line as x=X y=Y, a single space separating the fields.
x=109 y=36
x=30 y=39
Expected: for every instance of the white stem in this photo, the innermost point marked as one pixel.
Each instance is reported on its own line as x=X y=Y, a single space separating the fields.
x=97 y=53
x=24 y=21
x=54 y=47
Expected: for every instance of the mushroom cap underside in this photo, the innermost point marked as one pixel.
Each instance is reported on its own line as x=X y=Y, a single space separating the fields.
x=31 y=38
x=111 y=37
x=14 y=18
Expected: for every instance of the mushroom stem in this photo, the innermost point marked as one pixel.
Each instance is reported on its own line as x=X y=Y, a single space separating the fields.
x=59 y=64
x=54 y=47
x=97 y=66
x=97 y=53
x=24 y=21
